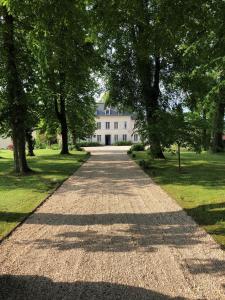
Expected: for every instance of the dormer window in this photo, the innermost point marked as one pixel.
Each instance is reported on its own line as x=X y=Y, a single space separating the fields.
x=107 y=111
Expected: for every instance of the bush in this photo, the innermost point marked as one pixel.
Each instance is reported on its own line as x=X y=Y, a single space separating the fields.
x=87 y=144
x=55 y=147
x=129 y=152
x=123 y=143
x=10 y=147
x=39 y=145
x=137 y=147
x=78 y=148
x=145 y=164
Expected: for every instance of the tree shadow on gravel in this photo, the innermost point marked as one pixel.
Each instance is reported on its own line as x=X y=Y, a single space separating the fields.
x=113 y=232
x=206 y=266
x=39 y=287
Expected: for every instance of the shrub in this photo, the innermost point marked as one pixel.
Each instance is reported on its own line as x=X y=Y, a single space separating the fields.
x=87 y=144
x=129 y=152
x=55 y=147
x=10 y=147
x=145 y=164
x=123 y=143
x=134 y=155
x=138 y=147
x=78 y=148
x=39 y=145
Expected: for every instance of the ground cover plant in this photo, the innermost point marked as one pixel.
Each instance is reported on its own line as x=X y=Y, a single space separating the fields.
x=19 y=195
x=199 y=188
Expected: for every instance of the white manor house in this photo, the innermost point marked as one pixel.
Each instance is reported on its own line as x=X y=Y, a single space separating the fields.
x=114 y=126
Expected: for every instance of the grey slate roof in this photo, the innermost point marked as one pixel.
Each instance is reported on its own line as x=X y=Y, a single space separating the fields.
x=109 y=111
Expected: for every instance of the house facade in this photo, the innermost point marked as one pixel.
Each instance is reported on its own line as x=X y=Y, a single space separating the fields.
x=5 y=142
x=114 y=126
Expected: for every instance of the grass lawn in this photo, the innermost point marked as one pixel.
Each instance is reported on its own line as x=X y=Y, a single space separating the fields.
x=20 y=195
x=199 y=188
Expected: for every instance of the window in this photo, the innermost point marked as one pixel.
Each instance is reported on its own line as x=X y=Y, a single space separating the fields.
x=107 y=111
x=116 y=138
x=99 y=138
x=107 y=125
x=98 y=125
x=115 y=125
x=124 y=137
x=125 y=125
x=135 y=137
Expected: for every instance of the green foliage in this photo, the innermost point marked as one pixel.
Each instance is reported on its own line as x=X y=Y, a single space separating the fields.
x=87 y=144
x=123 y=143
x=137 y=147
x=144 y=164
x=55 y=147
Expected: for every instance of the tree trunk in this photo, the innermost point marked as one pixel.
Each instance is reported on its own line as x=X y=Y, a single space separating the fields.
x=151 y=94
x=64 y=132
x=205 y=138
x=74 y=137
x=179 y=161
x=30 y=142
x=15 y=96
x=61 y=115
x=149 y=75
x=218 y=125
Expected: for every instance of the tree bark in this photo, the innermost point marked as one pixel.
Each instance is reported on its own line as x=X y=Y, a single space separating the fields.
x=61 y=115
x=74 y=137
x=179 y=161
x=218 y=125
x=16 y=97
x=205 y=136
x=151 y=92
x=30 y=143
x=149 y=75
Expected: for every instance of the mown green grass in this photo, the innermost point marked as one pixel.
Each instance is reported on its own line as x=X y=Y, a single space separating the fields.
x=199 y=188
x=21 y=195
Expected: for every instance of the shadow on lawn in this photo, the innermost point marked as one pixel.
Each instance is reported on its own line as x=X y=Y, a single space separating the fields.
x=206 y=175
x=44 y=177
x=39 y=287
x=210 y=215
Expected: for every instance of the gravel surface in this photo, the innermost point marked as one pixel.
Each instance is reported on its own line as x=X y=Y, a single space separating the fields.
x=110 y=233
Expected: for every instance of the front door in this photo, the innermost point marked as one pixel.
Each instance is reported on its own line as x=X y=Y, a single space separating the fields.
x=108 y=139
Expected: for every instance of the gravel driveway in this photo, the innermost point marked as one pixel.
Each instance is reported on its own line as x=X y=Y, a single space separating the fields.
x=110 y=233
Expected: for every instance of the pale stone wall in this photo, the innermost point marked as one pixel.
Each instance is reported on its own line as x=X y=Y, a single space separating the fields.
x=5 y=142
x=128 y=131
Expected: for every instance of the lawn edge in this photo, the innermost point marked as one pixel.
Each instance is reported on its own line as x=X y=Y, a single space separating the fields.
x=7 y=235
x=221 y=246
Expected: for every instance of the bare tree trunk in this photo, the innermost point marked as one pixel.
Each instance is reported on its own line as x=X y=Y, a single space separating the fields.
x=179 y=161
x=61 y=115
x=30 y=142
x=74 y=137
x=16 y=97
x=218 y=125
x=149 y=74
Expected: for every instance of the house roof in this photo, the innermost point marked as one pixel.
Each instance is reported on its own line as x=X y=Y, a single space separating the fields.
x=109 y=111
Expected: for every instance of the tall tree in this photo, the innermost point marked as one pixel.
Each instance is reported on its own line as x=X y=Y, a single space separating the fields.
x=66 y=54
x=139 y=47
x=15 y=106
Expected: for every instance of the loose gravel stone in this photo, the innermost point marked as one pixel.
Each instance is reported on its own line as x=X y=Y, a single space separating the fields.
x=109 y=232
